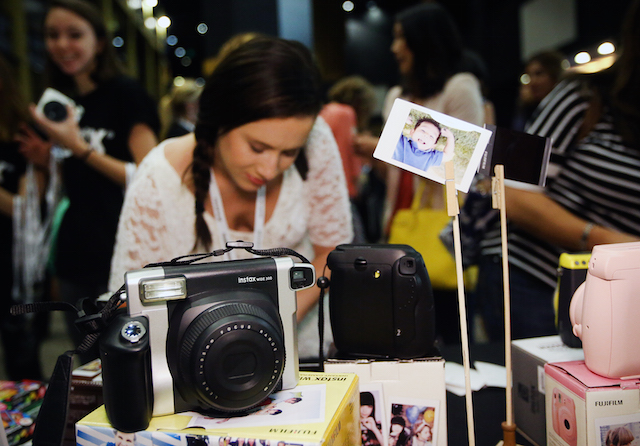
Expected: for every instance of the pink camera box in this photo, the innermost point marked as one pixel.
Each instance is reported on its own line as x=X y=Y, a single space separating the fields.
x=583 y=408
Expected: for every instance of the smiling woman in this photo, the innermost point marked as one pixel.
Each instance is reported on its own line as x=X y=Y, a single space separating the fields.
x=260 y=167
x=116 y=130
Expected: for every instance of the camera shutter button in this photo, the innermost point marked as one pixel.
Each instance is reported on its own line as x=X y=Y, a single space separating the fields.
x=133 y=331
x=360 y=264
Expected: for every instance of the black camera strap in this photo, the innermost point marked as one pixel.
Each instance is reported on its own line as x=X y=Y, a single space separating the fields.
x=239 y=244
x=52 y=420
x=323 y=284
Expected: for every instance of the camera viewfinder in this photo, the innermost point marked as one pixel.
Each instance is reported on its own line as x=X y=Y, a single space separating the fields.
x=301 y=278
x=407 y=266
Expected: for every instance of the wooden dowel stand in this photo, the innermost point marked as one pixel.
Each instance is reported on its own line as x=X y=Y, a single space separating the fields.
x=453 y=210
x=498 y=202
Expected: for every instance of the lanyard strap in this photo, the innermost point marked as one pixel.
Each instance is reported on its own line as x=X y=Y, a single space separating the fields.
x=224 y=233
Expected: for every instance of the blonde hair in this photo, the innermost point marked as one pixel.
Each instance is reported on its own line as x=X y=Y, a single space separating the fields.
x=357 y=92
x=173 y=105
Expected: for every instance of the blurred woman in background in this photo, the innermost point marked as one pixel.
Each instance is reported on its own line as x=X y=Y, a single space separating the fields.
x=104 y=143
x=179 y=109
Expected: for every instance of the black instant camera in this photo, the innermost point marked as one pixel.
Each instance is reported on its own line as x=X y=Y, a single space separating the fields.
x=381 y=302
x=217 y=336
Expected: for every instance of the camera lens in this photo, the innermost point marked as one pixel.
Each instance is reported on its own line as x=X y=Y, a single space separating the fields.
x=55 y=111
x=232 y=356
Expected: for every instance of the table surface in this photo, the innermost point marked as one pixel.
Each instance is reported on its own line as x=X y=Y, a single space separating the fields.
x=489 y=404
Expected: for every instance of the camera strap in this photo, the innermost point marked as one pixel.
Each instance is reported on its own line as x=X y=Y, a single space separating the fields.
x=221 y=220
x=52 y=420
x=323 y=284
x=239 y=244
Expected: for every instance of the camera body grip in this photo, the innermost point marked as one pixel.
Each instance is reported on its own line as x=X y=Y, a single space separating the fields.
x=126 y=372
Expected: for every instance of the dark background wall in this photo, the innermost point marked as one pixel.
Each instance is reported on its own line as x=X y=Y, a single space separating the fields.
x=359 y=42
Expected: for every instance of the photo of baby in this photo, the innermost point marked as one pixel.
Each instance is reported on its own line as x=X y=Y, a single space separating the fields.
x=422 y=141
x=419 y=148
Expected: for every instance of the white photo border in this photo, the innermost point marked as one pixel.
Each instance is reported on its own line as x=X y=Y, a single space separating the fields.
x=632 y=421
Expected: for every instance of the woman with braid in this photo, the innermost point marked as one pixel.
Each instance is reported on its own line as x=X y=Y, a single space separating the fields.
x=258 y=144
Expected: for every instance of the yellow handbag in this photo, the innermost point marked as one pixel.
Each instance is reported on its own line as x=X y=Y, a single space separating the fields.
x=419 y=227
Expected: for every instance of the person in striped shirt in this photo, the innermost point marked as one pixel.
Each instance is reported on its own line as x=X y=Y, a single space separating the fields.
x=592 y=195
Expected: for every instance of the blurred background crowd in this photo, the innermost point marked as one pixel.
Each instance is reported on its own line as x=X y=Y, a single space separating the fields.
x=484 y=61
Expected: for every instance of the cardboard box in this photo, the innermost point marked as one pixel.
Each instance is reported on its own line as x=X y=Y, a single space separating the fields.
x=326 y=414
x=411 y=391
x=528 y=358
x=582 y=407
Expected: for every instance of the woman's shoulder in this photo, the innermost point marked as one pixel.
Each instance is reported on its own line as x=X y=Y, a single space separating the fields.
x=462 y=80
x=124 y=90
x=178 y=152
x=124 y=82
x=394 y=93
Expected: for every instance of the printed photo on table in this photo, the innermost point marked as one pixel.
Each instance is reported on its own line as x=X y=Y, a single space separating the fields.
x=413 y=422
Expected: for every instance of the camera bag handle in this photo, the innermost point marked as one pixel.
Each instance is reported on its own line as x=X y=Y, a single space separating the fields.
x=51 y=422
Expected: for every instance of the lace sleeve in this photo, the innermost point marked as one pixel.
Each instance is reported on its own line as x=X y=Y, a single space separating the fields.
x=329 y=209
x=141 y=228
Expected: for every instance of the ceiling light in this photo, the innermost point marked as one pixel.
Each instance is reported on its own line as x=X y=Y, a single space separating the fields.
x=164 y=22
x=150 y=23
x=606 y=48
x=582 y=57
x=202 y=28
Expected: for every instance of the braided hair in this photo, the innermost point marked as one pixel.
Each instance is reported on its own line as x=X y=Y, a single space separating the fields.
x=264 y=78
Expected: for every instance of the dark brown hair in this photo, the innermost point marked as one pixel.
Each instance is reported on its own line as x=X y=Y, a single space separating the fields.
x=263 y=78
x=14 y=109
x=108 y=65
x=436 y=45
x=551 y=62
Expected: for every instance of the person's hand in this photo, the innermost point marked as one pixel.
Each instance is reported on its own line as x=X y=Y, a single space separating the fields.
x=370 y=423
x=35 y=149
x=447 y=133
x=364 y=144
x=66 y=133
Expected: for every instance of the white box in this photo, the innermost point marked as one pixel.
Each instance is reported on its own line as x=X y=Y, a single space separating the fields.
x=583 y=407
x=528 y=358
x=413 y=390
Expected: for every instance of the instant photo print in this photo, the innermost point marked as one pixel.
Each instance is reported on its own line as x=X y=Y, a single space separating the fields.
x=421 y=141
x=525 y=157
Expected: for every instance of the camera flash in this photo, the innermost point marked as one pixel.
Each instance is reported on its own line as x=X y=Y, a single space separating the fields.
x=377 y=274
x=163 y=289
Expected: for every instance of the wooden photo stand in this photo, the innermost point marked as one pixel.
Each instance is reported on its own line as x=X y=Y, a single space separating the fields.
x=498 y=202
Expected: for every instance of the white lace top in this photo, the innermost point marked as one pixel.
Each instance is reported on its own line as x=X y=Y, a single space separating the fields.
x=157 y=222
